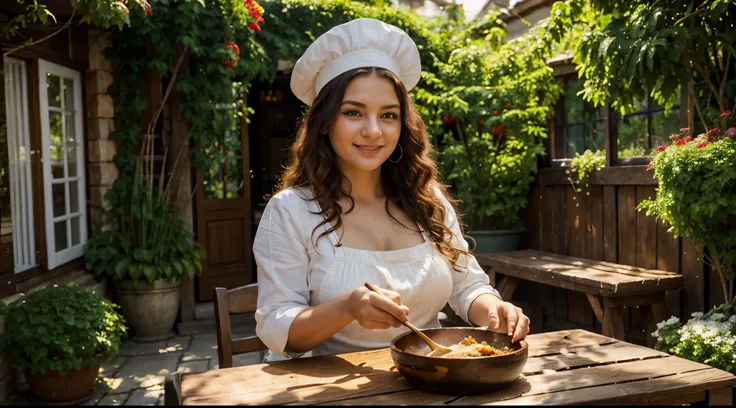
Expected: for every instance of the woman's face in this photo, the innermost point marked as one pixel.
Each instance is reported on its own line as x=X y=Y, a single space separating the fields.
x=368 y=124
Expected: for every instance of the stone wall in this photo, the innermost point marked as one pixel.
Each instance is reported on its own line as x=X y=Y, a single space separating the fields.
x=100 y=113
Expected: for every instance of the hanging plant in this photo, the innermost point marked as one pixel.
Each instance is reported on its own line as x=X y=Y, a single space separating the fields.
x=582 y=166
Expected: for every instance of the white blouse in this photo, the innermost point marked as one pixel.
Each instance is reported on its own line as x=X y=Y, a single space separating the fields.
x=294 y=274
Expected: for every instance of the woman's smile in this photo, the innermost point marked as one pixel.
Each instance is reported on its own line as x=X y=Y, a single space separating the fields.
x=368 y=150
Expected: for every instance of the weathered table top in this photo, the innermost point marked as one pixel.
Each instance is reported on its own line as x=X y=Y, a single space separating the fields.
x=564 y=367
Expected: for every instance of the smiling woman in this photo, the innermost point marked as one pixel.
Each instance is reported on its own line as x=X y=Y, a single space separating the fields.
x=361 y=201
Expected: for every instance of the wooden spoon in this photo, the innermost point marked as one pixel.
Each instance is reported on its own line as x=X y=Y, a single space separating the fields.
x=437 y=349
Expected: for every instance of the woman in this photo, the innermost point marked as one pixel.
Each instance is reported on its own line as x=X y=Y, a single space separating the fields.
x=361 y=201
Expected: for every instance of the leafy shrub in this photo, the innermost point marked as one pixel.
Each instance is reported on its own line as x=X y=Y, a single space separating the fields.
x=61 y=328
x=696 y=195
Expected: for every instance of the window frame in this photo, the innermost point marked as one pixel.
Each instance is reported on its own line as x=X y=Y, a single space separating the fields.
x=70 y=253
x=565 y=69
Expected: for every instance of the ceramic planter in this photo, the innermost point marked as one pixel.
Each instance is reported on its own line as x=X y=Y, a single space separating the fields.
x=150 y=310
x=53 y=388
x=496 y=240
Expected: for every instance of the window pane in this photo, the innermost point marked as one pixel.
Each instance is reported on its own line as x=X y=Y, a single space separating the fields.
x=60 y=240
x=53 y=85
x=69 y=127
x=71 y=160
x=664 y=126
x=575 y=140
x=58 y=199
x=68 y=95
x=57 y=161
x=55 y=131
x=596 y=136
x=73 y=197
x=573 y=102
x=632 y=136
x=76 y=229
x=234 y=177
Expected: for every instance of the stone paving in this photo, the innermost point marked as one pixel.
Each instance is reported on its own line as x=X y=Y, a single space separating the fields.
x=137 y=376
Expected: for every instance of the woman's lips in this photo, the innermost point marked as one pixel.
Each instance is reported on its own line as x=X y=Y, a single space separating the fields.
x=368 y=150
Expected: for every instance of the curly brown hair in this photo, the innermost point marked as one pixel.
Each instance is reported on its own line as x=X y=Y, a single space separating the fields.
x=410 y=183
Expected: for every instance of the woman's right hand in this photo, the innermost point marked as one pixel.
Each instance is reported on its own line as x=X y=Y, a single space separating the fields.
x=374 y=311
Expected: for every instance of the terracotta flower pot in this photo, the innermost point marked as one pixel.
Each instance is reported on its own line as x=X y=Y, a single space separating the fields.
x=73 y=388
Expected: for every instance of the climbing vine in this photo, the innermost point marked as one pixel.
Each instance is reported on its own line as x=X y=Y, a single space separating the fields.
x=218 y=39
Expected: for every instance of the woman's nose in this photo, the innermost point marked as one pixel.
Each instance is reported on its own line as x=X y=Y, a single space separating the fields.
x=372 y=127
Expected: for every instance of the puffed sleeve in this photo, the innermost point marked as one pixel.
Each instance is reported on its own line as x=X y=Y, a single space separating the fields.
x=283 y=265
x=468 y=278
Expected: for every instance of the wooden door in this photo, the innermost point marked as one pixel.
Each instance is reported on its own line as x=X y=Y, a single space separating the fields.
x=224 y=216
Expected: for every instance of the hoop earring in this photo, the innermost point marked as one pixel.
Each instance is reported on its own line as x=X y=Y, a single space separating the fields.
x=401 y=154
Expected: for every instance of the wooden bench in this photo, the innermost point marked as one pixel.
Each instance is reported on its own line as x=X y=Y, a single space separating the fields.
x=609 y=287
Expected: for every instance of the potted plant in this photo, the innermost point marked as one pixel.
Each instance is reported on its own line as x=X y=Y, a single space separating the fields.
x=488 y=101
x=147 y=254
x=696 y=195
x=58 y=336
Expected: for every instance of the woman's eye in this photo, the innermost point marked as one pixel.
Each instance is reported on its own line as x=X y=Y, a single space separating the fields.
x=391 y=115
x=352 y=113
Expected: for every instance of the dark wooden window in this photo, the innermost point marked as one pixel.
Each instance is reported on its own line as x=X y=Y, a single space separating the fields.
x=641 y=132
x=579 y=126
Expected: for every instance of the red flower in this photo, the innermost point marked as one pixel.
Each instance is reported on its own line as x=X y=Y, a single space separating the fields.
x=684 y=130
x=650 y=166
x=447 y=120
x=233 y=46
x=724 y=114
x=731 y=132
x=495 y=113
x=712 y=133
x=702 y=145
x=259 y=19
x=660 y=149
x=682 y=142
x=229 y=63
x=508 y=106
x=674 y=137
x=254 y=26
x=248 y=3
x=148 y=9
x=254 y=12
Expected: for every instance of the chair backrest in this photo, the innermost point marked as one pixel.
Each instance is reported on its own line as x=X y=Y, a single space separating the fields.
x=236 y=301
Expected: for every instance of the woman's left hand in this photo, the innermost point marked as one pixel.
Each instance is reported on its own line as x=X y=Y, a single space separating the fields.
x=506 y=318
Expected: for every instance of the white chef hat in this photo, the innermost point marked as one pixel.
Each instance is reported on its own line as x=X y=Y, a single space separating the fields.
x=360 y=43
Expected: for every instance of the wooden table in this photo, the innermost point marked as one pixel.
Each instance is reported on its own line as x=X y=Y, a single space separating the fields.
x=564 y=367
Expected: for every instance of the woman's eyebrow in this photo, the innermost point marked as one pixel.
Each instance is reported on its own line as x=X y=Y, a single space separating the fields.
x=362 y=105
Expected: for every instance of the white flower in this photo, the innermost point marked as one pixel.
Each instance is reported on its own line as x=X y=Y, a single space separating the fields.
x=697 y=315
x=717 y=316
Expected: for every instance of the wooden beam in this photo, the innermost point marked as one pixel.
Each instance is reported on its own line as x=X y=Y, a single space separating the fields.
x=617 y=176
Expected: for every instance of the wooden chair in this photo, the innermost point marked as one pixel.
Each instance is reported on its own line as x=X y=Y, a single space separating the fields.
x=236 y=301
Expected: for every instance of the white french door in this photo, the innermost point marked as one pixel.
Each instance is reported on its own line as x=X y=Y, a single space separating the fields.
x=19 y=165
x=63 y=160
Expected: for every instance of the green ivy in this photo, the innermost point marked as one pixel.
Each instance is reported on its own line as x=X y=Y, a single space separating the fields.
x=582 y=166
x=61 y=328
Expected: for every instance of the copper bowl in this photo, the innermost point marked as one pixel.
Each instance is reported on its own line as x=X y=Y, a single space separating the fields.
x=458 y=375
